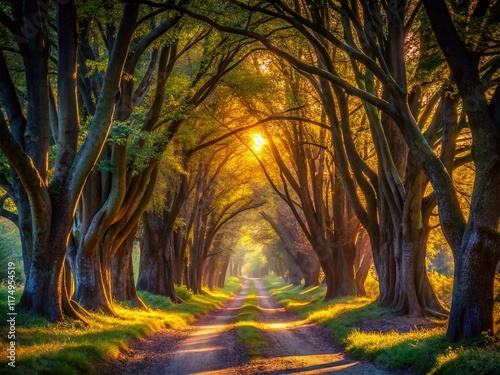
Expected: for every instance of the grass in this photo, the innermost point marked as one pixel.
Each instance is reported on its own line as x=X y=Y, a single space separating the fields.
x=423 y=351
x=247 y=325
x=70 y=347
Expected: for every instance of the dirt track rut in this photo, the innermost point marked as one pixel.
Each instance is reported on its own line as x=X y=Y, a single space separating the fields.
x=298 y=347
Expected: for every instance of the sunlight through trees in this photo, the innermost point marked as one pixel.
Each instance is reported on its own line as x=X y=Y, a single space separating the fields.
x=346 y=143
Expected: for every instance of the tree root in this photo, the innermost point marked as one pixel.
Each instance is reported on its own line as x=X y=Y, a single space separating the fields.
x=435 y=314
x=73 y=310
x=177 y=300
x=137 y=301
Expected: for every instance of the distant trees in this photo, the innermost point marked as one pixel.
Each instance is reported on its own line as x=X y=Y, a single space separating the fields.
x=206 y=203
x=296 y=246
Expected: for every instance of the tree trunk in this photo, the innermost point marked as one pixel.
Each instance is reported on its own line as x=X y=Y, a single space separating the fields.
x=179 y=276
x=344 y=283
x=42 y=293
x=384 y=256
x=154 y=275
x=221 y=277
x=363 y=261
x=195 y=273
x=92 y=287
x=294 y=273
x=209 y=276
x=416 y=296
x=472 y=298
x=310 y=267
x=122 y=273
x=329 y=272
x=346 y=227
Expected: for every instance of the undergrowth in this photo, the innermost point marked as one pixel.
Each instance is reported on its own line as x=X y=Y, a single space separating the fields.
x=70 y=347
x=424 y=351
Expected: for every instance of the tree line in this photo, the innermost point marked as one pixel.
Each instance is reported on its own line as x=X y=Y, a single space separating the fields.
x=370 y=110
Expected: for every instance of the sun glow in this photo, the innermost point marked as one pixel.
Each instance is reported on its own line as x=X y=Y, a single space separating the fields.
x=258 y=142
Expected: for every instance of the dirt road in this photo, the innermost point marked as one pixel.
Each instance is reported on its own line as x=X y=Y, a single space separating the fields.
x=211 y=346
x=296 y=347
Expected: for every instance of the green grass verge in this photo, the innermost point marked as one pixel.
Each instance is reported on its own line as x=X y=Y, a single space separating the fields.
x=423 y=351
x=247 y=325
x=70 y=347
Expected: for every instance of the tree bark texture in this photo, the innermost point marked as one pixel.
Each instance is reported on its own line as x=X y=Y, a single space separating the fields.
x=155 y=268
x=92 y=281
x=122 y=273
x=363 y=261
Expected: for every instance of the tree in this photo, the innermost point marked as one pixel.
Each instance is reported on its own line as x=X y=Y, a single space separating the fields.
x=476 y=242
x=48 y=202
x=162 y=240
x=118 y=193
x=332 y=233
x=216 y=199
x=294 y=243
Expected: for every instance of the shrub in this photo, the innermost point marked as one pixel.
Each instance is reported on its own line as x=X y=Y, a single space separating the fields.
x=183 y=292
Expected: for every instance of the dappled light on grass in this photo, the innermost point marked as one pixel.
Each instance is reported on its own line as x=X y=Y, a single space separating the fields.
x=468 y=360
x=215 y=294
x=308 y=290
x=284 y=287
x=292 y=304
x=369 y=343
x=333 y=310
x=70 y=347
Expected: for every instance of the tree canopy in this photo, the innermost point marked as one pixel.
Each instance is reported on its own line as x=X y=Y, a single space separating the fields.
x=348 y=132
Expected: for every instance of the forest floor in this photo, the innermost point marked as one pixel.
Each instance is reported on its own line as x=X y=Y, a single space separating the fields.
x=212 y=346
